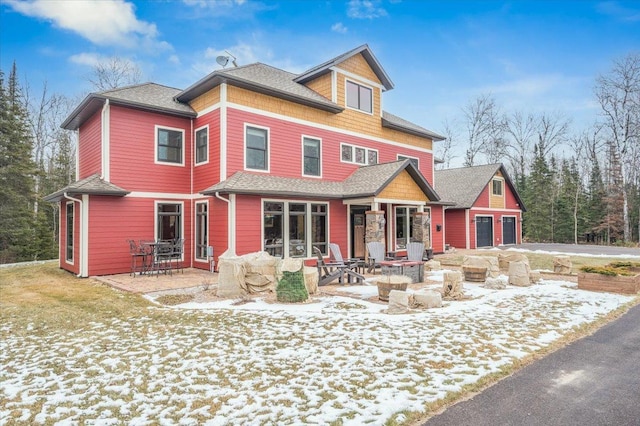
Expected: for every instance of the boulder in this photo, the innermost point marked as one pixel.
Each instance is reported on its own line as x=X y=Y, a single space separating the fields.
x=535 y=277
x=426 y=299
x=398 y=302
x=505 y=258
x=432 y=265
x=495 y=283
x=489 y=262
x=562 y=265
x=519 y=274
x=452 y=285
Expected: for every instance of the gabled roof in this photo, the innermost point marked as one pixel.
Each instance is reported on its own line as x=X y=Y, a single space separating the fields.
x=464 y=185
x=364 y=51
x=147 y=96
x=264 y=79
x=93 y=185
x=366 y=181
x=394 y=122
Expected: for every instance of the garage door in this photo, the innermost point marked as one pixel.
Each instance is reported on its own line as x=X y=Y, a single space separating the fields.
x=508 y=230
x=484 y=231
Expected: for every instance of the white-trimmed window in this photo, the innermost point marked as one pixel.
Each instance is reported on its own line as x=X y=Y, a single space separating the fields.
x=168 y=221
x=414 y=160
x=69 y=234
x=169 y=145
x=496 y=186
x=311 y=156
x=256 y=144
x=202 y=145
x=357 y=154
x=404 y=225
x=359 y=97
x=202 y=230
x=292 y=228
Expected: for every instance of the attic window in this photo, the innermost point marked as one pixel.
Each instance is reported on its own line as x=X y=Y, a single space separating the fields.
x=359 y=97
x=497 y=187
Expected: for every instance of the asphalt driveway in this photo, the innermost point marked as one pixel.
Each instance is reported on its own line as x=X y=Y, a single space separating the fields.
x=578 y=249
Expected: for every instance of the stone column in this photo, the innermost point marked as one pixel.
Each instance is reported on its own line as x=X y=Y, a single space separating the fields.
x=422 y=228
x=375 y=230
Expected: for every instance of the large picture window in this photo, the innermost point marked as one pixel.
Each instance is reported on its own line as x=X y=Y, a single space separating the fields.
x=169 y=145
x=311 y=157
x=291 y=229
x=202 y=230
x=169 y=221
x=256 y=148
x=202 y=145
x=404 y=226
x=359 y=97
x=69 y=234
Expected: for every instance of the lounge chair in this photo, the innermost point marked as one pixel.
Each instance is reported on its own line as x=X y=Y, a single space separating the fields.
x=331 y=271
x=376 y=255
x=352 y=263
x=415 y=251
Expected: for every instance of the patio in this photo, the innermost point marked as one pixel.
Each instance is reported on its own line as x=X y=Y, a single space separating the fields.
x=190 y=279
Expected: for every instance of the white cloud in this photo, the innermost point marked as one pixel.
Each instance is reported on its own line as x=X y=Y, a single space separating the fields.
x=105 y=22
x=617 y=11
x=174 y=59
x=88 y=59
x=365 y=9
x=338 y=27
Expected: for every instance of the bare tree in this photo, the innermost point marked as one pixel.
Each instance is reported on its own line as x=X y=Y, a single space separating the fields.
x=553 y=130
x=618 y=94
x=479 y=123
x=115 y=72
x=520 y=130
x=445 y=147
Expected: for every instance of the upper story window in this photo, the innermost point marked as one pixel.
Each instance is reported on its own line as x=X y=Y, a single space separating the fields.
x=170 y=145
x=202 y=145
x=358 y=154
x=311 y=157
x=256 y=148
x=497 y=187
x=359 y=97
x=414 y=160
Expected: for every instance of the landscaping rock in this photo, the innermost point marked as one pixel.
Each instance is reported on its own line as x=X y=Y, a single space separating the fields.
x=452 y=285
x=562 y=265
x=432 y=265
x=505 y=258
x=519 y=274
x=535 y=277
x=311 y=279
x=398 y=302
x=495 y=283
x=426 y=299
x=489 y=262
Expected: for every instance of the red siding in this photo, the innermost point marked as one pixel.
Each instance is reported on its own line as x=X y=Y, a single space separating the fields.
x=90 y=146
x=510 y=199
x=133 y=150
x=285 y=147
x=455 y=228
x=437 y=237
x=208 y=174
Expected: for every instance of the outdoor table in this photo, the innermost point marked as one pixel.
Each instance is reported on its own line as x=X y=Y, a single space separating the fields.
x=160 y=256
x=409 y=268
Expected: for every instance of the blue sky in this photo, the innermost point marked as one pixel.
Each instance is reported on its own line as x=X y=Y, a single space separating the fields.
x=532 y=56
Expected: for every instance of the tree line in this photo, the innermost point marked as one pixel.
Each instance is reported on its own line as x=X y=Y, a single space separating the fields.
x=592 y=194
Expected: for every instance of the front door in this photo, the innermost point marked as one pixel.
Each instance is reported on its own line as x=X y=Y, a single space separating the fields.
x=484 y=231
x=358 y=232
x=508 y=230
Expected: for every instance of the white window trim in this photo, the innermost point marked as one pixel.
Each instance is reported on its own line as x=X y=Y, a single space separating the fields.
x=195 y=146
x=319 y=159
x=353 y=154
x=409 y=157
x=500 y=180
x=244 y=148
x=155 y=146
x=346 y=104
x=195 y=229
x=407 y=207
x=66 y=230
x=155 y=216
x=285 y=224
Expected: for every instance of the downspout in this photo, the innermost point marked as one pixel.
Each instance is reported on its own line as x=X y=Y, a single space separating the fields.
x=106 y=142
x=230 y=237
x=193 y=230
x=80 y=239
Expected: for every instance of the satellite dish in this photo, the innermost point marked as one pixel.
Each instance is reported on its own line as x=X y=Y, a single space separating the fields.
x=222 y=60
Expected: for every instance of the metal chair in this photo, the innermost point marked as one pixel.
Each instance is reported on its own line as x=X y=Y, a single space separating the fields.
x=137 y=252
x=177 y=251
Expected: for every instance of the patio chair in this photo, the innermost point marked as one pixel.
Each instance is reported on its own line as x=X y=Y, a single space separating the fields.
x=415 y=251
x=352 y=263
x=161 y=256
x=138 y=253
x=331 y=271
x=376 y=255
x=177 y=250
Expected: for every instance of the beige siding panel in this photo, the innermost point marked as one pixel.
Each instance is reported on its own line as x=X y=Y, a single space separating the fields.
x=359 y=66
x=321 y=85
x=206 y=100
x=403 y=187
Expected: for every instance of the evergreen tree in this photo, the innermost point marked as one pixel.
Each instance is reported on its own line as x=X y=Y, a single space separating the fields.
x=17 y=242
x=538 y=199
x=595 y=207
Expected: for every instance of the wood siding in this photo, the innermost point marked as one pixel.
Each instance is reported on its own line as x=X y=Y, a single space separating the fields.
x=90 y=146
x=206 y=175
x=456 y=228
x=403 y=187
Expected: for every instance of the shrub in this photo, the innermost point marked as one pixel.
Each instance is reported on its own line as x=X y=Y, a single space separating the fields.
x=291 y=288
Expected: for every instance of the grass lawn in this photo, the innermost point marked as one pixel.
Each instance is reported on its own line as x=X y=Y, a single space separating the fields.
x=75 y=351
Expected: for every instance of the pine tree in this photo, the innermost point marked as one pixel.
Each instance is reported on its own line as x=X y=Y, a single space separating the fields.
x=595 y=207
x=17 y=240
x=538 y=199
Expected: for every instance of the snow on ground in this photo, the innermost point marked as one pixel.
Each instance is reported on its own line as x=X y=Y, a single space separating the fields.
x=335 y=358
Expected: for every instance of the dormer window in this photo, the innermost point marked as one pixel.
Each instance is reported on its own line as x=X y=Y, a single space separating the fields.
x=497 y=187
x=359 y=97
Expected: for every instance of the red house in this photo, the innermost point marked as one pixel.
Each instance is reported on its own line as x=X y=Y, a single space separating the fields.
x=248 y=158
x=487 y=210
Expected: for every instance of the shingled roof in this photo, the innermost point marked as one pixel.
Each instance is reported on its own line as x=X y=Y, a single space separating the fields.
x=93 y=185
x=464 y=185
x=146 y=96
